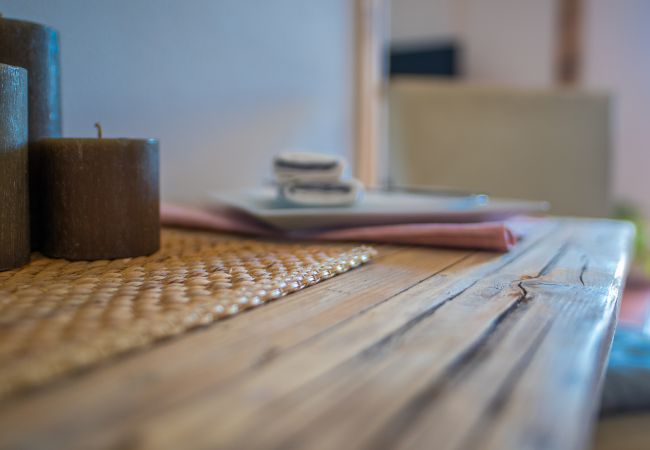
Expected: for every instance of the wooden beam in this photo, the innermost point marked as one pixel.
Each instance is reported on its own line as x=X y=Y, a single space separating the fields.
x=370 y=16
x=569 y=43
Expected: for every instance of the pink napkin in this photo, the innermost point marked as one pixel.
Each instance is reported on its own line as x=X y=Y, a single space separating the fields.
x=496 y=236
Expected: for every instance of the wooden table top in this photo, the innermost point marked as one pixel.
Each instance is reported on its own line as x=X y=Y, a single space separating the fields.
x=422 y=348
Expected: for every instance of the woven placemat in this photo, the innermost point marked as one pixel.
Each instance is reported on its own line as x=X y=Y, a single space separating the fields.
x=57 y=316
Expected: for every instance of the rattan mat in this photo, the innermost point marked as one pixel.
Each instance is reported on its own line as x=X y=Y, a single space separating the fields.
x=57 y=316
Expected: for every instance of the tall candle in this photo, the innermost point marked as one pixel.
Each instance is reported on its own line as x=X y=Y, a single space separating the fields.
x=96 y=198
x=36 y=48
x=14 y=210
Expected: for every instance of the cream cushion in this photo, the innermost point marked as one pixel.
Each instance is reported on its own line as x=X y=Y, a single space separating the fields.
x=532 y=144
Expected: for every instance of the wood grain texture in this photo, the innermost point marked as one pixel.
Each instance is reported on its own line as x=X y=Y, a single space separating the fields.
x=419 y=349
x=370 y=41
x=569 y=41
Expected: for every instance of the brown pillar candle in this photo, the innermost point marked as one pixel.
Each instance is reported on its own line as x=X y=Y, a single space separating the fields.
x=14 y=206
x=97 y=198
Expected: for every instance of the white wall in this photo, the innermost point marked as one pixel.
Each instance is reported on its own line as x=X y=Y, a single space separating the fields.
x=415 y=21
x=508 y=41
x=503 y=41
x=617 y=57
x=224 y=84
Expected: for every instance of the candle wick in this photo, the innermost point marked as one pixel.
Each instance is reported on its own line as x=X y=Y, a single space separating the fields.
x=99 y=130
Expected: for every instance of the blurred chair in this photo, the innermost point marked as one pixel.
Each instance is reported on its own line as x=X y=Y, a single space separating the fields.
x=549 y=145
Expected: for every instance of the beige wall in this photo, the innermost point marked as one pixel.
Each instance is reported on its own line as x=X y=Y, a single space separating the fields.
x=224 y=84
x=617 y=55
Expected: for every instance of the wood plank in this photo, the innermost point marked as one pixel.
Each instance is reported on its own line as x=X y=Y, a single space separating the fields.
x=457 y=404
x=563 y=381
x=541 y=350
x=148 y=382
x=398 y=361
x=289 y=371
x=367 y=387
x=459 y=349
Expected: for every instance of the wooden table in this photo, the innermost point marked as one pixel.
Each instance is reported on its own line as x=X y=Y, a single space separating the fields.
x=421 y=348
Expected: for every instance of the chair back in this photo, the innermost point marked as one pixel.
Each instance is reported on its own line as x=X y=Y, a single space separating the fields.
x=549 y=145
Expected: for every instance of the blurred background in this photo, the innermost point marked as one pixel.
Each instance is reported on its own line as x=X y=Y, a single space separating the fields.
x=224 y=84
x=596 y=45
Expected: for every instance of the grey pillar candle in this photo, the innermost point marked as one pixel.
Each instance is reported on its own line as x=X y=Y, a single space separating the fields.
x=14 y=208
x=36 y=48
x=97 y=198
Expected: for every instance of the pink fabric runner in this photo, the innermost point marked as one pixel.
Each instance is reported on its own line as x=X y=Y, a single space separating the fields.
x=497 y=236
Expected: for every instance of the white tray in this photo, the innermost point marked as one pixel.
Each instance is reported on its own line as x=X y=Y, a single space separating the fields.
x=376 y=208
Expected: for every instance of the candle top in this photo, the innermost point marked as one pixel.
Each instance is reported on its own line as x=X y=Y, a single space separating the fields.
x=11 y=68
x=100 y=138
x=92 y=140
x=25 y=23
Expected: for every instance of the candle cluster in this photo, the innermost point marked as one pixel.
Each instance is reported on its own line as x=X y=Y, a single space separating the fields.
x=85 y=198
